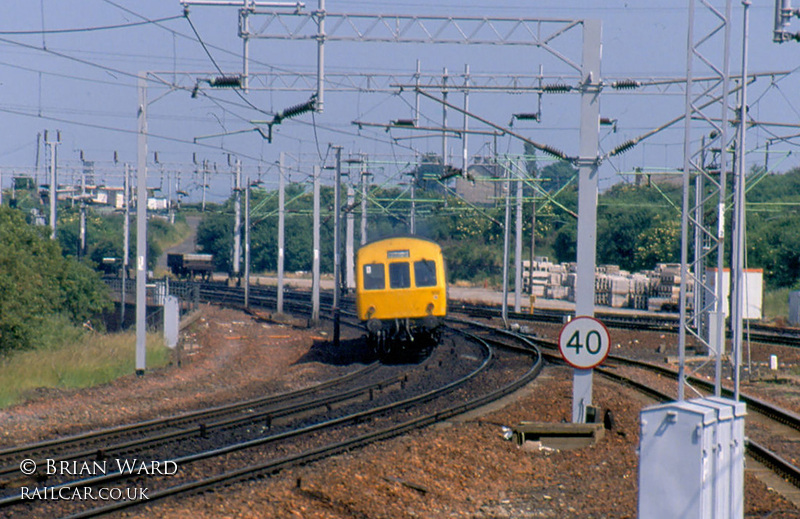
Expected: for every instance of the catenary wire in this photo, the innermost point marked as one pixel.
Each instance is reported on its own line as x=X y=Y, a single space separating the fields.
x=90 y=29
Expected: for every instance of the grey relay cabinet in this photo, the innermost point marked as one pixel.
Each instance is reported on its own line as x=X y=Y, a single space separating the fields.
x=732 y=474
x=691 y=460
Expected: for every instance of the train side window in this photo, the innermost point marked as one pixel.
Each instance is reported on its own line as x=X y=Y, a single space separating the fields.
x=399 y=275
x=425 y=273
x=374 y=277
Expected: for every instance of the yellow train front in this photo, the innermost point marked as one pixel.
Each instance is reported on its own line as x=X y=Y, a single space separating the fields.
x=401 y=294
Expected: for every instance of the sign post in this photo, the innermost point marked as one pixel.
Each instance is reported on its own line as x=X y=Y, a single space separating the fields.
x=584 y=343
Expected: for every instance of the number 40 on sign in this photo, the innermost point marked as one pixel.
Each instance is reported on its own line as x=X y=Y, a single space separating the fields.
x=584 y=342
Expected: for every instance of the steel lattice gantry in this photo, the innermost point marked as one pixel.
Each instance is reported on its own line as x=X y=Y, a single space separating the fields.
x=706 y=167
x=322 y=27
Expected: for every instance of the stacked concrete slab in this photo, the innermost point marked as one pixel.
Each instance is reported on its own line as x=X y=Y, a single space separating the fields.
x=653 y=290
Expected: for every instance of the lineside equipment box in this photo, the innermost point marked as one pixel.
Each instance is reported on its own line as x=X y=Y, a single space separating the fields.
x=691 y=460
x=675 y=446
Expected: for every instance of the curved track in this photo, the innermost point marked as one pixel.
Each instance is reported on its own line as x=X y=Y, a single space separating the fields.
x=760 y=443
x=469 y=373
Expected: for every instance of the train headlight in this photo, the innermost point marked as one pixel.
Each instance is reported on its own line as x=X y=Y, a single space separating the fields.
x=429 y=309
x=370 y=312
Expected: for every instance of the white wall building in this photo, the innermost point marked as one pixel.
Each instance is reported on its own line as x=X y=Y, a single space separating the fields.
x=753 y=294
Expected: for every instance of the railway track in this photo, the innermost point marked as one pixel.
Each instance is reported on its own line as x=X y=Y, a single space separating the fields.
x=99 y=445
x=644 y=321
x=756 y=449
x=759 y=445
x=495 y=366
x=665 y=323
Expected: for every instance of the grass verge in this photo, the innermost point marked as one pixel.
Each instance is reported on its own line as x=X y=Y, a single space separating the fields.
x=776 y=304
x=87 y=360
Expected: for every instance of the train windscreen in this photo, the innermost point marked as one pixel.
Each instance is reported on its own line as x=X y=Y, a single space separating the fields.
x=425 y=273
x=374 y=277
x=399 y=275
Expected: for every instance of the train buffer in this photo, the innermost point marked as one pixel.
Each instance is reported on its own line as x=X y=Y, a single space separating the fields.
x=562 y=436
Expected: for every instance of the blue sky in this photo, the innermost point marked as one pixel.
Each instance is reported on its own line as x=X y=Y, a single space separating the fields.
x=83 y=83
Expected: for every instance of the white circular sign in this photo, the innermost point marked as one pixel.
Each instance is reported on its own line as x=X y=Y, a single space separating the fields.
x=584 y=342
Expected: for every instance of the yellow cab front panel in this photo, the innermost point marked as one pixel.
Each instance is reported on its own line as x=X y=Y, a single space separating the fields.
x=401 y=277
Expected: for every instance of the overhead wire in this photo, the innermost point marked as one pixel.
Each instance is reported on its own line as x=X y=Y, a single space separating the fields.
x=314 y=122
x=70 y=58
x=43 y=31
x=182 y=35
x=122 y=130
x=65 y=76
x=216 y=65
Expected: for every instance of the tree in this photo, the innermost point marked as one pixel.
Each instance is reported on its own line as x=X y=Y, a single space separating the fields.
x=40 y=288
x=555 y=176
x=773 y=232
x=659 y=243
x=215 y=236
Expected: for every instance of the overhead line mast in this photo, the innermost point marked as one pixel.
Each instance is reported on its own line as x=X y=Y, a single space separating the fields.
x=543 y=34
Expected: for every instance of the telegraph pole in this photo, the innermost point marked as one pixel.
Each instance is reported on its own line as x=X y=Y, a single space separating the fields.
x=464 y=136
x=413 y=218
x=53 y=181
x=738 y=287
x=507 y=221
x=350 y=281
x=281 y=225
x=82 y=250
x=205 y=184
x=315 y=261
x=237 y=219
x=518 y=245
x=126 y=232
x=444 y=119
x=364 y=175
x=337 y=244
x=247 y=244
x=141 y=231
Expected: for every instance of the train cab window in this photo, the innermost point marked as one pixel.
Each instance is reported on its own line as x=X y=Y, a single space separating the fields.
x=399 y=275
x=374 y=277
x=425 y=273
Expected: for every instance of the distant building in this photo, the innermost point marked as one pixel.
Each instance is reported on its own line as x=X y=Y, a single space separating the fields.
x=482 y=184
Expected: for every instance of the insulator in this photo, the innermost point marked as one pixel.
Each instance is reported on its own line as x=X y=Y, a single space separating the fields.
x=622 y=148
x=557 y=88
x=226 y=82
x=554 y=152
x=295 y=110
x=450 y=171
x=403 y=122
x=626 y=84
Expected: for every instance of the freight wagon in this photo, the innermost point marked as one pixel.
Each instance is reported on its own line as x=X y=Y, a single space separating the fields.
x=190 y=266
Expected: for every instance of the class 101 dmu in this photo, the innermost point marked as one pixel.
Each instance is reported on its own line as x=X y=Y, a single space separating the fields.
x=401 y=294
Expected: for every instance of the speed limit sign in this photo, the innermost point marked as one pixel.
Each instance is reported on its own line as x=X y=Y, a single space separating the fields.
x=584 y=342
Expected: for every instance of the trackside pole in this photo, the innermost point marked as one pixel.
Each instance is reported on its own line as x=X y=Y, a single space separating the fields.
x=587 y=201
x=281 y=235
x=315 y=260
x=141 y=231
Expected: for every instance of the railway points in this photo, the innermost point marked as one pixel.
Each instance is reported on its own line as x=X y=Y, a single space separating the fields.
x=476 y=440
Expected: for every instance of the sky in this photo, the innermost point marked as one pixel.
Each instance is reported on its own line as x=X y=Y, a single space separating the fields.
x=72 y=72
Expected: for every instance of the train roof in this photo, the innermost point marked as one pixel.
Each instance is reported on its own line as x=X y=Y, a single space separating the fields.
x=399 y=236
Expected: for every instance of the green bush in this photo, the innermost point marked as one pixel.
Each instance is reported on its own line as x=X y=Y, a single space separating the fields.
x=39 y=288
